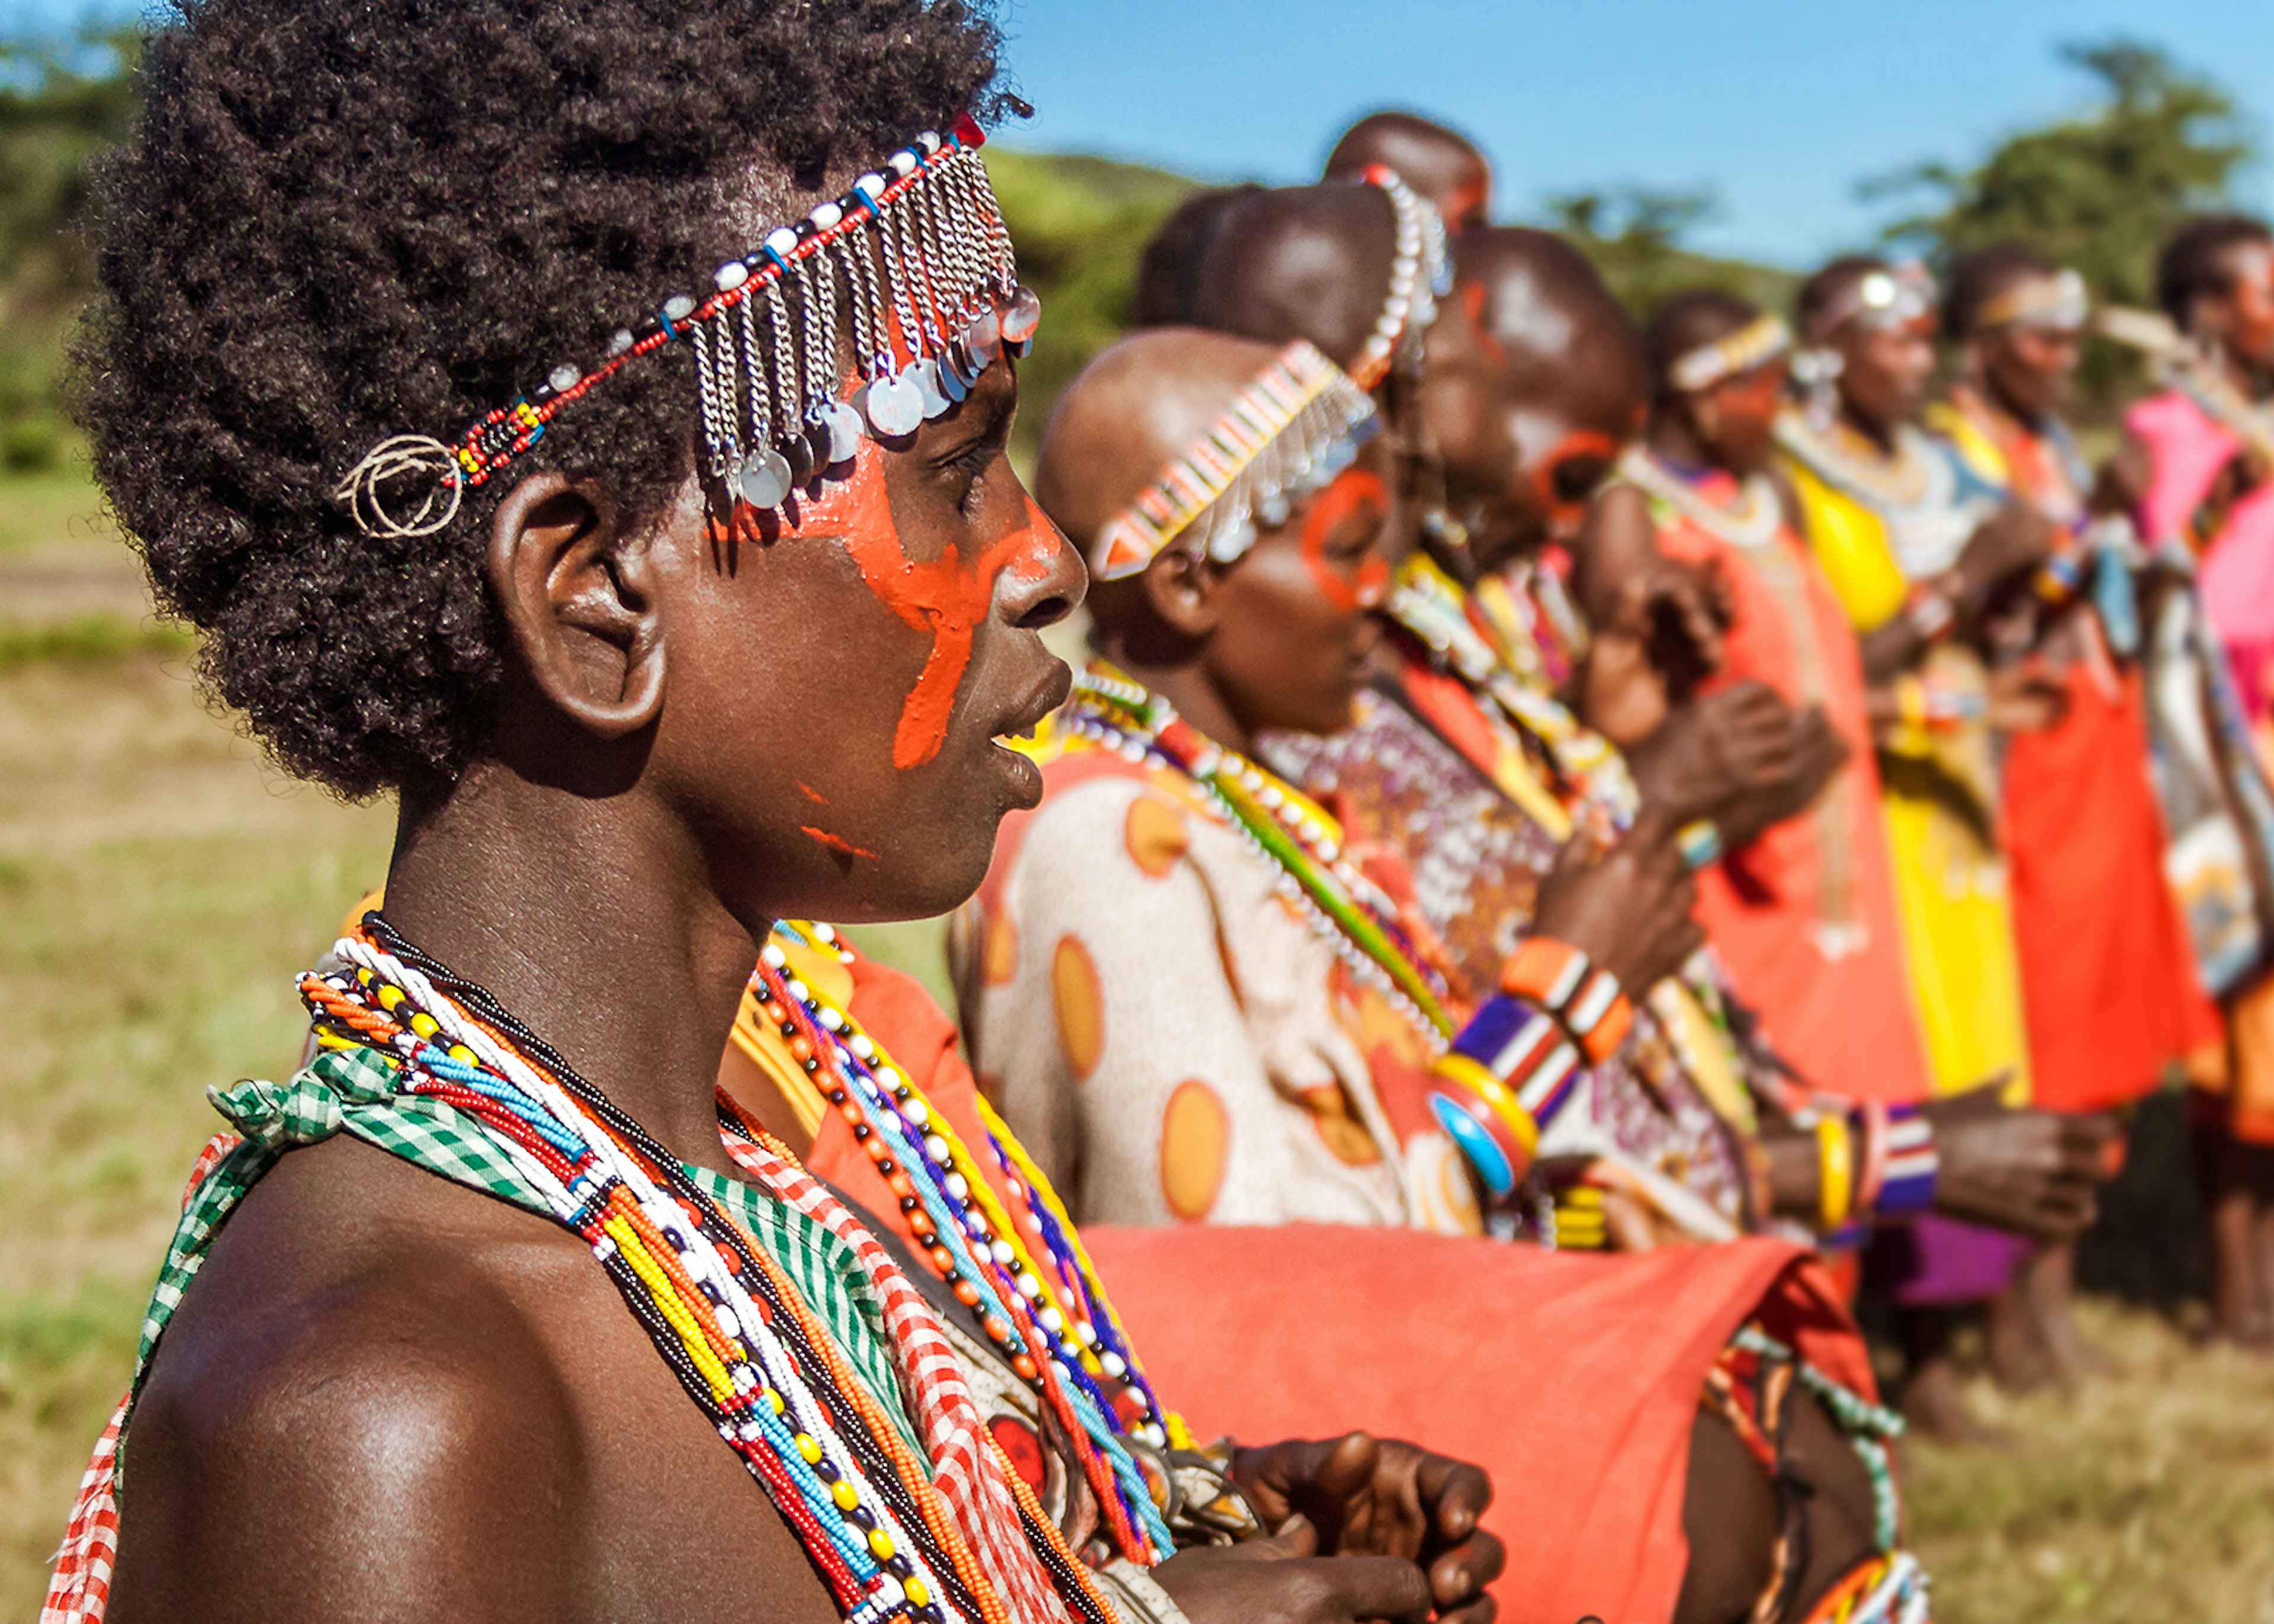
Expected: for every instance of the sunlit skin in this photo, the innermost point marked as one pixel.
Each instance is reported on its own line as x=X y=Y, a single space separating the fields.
x=387 y=1394
x=2026 y=368
x=2240 y=325
x=1442 y=165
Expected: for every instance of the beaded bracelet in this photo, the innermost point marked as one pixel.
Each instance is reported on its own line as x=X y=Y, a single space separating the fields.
x=1835 y=1187
x=1911 y=1162
x=1931 y=613
x=1586 y=1001
x=1700 y=842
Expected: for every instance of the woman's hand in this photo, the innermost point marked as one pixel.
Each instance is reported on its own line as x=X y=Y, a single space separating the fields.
x=1283 y=1581
x=2033 y=1172
x=1737 y=741
x=1628 y=909
x=1373 y=1497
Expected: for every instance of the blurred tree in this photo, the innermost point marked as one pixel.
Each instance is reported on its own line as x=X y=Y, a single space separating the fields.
x=1081 y=224
x=1633 y=235
x=61 y=101
x=2097 y=191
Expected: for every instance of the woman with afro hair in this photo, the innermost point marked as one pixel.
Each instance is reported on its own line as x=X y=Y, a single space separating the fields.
x=584 y=421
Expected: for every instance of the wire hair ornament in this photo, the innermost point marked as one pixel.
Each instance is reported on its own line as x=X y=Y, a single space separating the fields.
x=404 y=457
x=1285 y=436
x=932 y=299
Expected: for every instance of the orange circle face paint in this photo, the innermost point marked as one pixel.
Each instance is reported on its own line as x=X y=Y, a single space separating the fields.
x=1563 y=482
x=1339 y=530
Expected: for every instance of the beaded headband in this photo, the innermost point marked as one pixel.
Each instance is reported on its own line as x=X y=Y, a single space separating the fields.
x=1286 y=435
x=2056 y=301
x=1894 y=297
x=933 y=298
x=1758 y=342
x=1420 y=274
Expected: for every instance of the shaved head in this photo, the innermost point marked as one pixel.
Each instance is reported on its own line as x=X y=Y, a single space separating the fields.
x=1296 y=262
x=1442 y=165
x=1131 y=409
x=1557 y=387
x=1562 y=330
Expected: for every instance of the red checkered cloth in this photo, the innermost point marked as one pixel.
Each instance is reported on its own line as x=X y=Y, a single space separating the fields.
x=78 y=1592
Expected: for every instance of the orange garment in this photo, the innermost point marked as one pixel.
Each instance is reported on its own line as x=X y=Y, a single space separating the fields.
x=2108 y=980
x=1804 y=917
x=1573 y=1379
x=2109 y=986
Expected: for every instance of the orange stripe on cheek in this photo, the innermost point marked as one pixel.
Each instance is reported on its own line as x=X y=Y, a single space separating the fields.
x=940 y=593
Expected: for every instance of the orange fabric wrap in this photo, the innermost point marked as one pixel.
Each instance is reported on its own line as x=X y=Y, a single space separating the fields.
x=1572 y=1380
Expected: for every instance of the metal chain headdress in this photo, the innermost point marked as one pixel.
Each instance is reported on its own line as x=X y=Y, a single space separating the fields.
x=930 y=299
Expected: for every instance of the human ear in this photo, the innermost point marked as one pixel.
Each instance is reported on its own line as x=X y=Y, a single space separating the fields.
x=1180 y=587
x=581 y=603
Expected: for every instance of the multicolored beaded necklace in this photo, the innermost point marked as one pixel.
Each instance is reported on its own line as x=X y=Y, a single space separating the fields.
x=1020 y=1305
x=1430 y=606
x=1751 y=522
x=1294 y=833
x=722 y=1313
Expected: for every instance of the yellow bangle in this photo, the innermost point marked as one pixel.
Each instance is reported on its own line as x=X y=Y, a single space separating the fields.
x=1835 y=1187
x=1910 y=703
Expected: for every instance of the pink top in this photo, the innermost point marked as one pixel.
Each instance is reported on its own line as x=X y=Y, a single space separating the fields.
x=2236 y=576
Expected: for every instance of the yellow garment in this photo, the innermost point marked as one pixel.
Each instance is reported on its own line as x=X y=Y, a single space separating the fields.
x=1950 y=887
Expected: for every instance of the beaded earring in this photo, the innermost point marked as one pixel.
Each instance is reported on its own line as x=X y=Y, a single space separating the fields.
x=932 y=299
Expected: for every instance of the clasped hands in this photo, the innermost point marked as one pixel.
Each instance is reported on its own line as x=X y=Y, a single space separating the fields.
x=1362 y=1528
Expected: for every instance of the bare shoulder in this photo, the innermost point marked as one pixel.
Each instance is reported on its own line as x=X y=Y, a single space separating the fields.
x=350 y=1415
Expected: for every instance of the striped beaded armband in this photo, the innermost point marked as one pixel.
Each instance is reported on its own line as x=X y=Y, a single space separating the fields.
x=1931 y=615
x=1506 y=1076
x=1906 y=1155
x=1586 y=1001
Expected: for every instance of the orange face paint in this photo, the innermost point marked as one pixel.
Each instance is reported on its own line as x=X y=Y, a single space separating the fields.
x=1549 y=477
x=1353 y=491
x=835 y=843
x=947 y=594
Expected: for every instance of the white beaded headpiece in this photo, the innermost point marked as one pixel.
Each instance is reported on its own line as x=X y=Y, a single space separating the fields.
x=931 y=298
x=1420 y=274
x=1286 y=435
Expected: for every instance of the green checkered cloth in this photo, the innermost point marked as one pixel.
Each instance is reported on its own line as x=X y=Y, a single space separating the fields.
x=358 y=1091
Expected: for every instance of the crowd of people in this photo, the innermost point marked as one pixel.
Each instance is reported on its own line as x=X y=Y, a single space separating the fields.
x=1583 y=853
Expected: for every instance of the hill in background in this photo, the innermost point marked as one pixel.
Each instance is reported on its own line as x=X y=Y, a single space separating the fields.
x=1081 y=223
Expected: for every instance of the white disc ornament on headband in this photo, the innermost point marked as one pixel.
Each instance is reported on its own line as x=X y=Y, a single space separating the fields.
x=935 y=401
x=844 y=425
x=1022 y=316
x=893 y=405
x=765 y=479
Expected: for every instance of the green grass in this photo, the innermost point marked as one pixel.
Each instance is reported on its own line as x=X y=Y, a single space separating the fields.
x=160 y=884
x=89 y=638
x=158 y=888
x=47 y=511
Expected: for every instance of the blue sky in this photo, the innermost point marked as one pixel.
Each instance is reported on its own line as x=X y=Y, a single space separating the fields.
x=1779 y=106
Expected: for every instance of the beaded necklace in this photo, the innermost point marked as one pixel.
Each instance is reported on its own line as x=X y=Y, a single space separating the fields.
x=721 y=1312
x=1751 y=524
x=1298 y=837
x=978 y=1248
x=1431 y=606
x=1908 y=479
